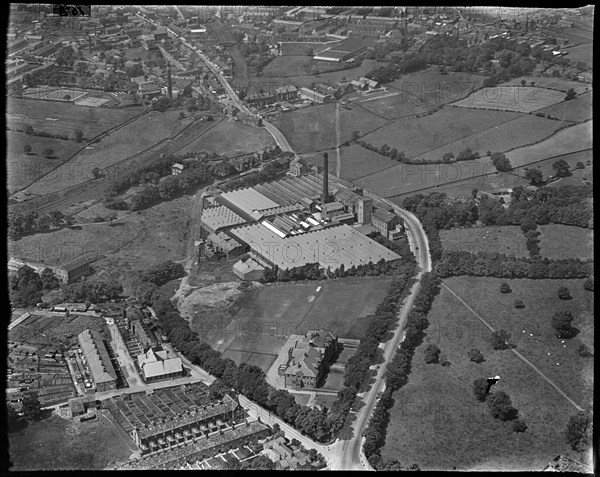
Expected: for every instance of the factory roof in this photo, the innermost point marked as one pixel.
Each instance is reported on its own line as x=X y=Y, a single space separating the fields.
x=216 y=218
x=248 y=200
x=224 y=241
x=342 y=245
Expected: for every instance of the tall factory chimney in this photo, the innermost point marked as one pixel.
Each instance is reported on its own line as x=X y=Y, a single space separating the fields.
x=169 y=86
x=325 y=178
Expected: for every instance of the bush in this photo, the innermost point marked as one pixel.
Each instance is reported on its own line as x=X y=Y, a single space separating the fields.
x=561 y=322
x=588 y=284
x=564 y=293
x=519 y=426
x=519 y=304
x=432 y=353
x=499 y=339
x=475 y=355
x=501 y=407
x=579 y=431
x=505 y=288
x=480 y=387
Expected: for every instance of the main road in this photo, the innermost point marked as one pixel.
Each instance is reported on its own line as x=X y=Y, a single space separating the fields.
x=343 y=454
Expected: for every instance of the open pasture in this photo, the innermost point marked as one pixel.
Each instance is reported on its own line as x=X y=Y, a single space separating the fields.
x=567 y=140
x=445 y=127
x=232 y=139
x=121 y=144
x=522 y=99
x=314 y=129
x=559 y=241
x=577 y=110
x=551 y=83
x=583 y=52
x=503 y=137
x=436 y=420
x=391 y=104
x=507 y=239
x=22 y=169
x=356 y=161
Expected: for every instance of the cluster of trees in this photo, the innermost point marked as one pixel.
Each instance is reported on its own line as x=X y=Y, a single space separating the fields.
x=561 y=322
x=482 y=264
x=476 y=355
x=312 y=271
x=257 y=55
x=92 y=291
x=397 y=66
x=20 y=225
x=26 y=287
x=399 y=368
x=501 y=162
x=146 y=286
x=499 y=404
x=30 y=131
x=579 y=431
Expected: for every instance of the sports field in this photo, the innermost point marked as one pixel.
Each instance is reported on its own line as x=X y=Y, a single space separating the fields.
x=507 y=239
x=436 y=420
x=60 y=118
x=292 y=66
x=512 y=98
x=443 y=129
x=563 y=241
x=232 y=139
x=266 y=316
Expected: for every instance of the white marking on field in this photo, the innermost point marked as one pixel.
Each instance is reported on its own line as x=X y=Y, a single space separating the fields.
x=311 y=298
x=379 y=97
x=51 y=119
x=319 y=289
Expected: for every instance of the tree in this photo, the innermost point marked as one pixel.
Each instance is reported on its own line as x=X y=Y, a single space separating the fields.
x=501 y=162
x=505 y=288
x=355 y=135
x=49 y=280
x=501 y=407
x=534 y=176
x=562 y=168
x=14 y=421
x=519 y=426
x=475 y=355
x=499 y=339
x=564 y=293
x=570 y=94
x=48 y=152
x=78 y=135
x=32 y=408
x=579 y=165
x=432 y=353
x=561 y=322
x=588 y=284
x=519 y=304
x=523 y=83
x=480 y=387
x=448 y=157
x=27 y=148
x=579 y=431
x=96 y=172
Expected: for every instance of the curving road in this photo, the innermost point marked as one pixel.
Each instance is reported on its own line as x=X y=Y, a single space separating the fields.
x=346 y=454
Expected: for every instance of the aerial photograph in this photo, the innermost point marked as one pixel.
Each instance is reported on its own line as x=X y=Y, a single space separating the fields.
x=263 y=237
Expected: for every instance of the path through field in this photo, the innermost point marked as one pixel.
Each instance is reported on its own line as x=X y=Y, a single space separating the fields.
x=579 y=408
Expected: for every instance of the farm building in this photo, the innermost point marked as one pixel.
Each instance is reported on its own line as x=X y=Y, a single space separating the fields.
x=308 y=359
x=159 y=365
x=96 y=354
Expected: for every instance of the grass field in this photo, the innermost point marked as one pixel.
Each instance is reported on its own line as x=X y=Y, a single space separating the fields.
x=512 y=98
x=136 y=241
x=60 y=118
x=550 y=82
x=564 y=241
x=507 y=239
x=574 y=138
x=23 y=169
x=313 y=129
x=127 y=141
x=578 y=109
x=291 y=66
x=571 y=159
x=391 y=104
x=260 y=321
x=445 y=127
x=46 y=445
x=504 y=137
x=356 y=161
x=432 y=87
x=436 y=420
x=231 y=138
x=306 y=80
x=581 y=53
